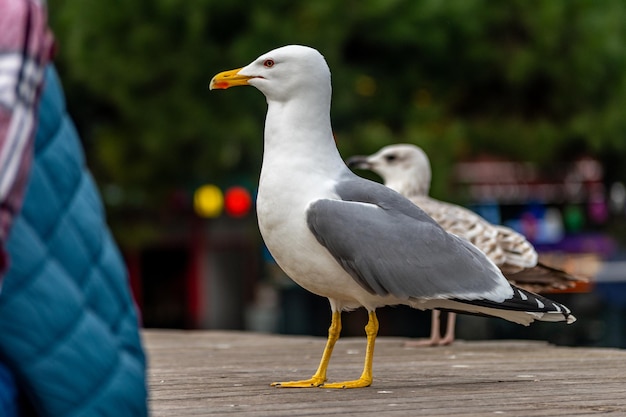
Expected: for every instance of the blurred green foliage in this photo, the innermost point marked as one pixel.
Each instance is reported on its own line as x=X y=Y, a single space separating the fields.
x=537 y=80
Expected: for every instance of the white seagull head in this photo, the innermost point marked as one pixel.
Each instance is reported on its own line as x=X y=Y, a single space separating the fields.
x=403 y=167
x=281 y=74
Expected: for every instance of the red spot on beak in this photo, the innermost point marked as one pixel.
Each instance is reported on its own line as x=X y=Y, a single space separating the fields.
x=221 y=84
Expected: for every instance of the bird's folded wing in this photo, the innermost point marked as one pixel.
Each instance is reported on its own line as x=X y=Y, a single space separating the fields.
x=505 y=247
x=466 y=224
x=391 y=247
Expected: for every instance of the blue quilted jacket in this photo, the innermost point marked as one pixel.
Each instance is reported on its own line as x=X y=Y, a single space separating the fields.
x=68 y=326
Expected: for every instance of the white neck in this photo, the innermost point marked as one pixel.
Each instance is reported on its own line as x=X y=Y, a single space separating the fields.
x=299 y=130
x=300 y=164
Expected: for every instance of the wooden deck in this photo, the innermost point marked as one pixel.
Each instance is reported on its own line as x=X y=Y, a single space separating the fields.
x=202 y=373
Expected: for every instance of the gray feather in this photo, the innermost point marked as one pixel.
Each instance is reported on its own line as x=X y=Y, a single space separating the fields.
x=390 y=246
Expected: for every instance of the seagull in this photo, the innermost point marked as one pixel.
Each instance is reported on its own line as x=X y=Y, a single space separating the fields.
x=351 y=240
x=406 y=169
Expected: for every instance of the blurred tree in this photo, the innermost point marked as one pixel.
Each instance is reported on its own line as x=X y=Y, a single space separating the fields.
x=526 y=79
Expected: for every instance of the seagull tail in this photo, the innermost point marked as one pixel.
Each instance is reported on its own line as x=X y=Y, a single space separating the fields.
x=523 y=308
x=542 y=278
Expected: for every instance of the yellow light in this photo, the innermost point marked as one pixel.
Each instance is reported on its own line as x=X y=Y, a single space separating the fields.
x=208 y=201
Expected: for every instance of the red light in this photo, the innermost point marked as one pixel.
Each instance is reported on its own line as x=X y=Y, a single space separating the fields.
x=237 y=202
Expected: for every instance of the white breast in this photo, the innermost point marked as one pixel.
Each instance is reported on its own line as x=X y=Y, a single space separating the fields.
x=281 y=210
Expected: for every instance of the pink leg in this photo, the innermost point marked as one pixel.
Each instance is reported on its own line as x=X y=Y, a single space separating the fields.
x=435 y=336
x=449 y=336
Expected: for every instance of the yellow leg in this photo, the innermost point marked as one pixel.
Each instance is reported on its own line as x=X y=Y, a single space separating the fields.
x=320 y=375
x=371 y=330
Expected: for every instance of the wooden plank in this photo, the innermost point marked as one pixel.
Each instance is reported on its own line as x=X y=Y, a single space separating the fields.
x=202 y=373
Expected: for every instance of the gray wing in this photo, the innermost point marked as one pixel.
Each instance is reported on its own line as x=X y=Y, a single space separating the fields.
x=390 y=246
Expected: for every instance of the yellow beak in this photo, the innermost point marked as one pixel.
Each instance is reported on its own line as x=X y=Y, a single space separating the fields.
x=227 y=79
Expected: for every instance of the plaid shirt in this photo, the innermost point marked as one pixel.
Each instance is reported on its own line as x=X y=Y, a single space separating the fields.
x=26 y=46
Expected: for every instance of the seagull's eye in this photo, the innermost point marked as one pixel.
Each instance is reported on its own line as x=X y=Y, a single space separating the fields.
x=390 y=158
x=268 y=63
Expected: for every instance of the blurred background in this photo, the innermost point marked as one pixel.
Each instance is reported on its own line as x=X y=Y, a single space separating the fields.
x=519 y=104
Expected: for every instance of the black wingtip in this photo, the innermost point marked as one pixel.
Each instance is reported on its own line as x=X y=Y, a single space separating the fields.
x=529 y=302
